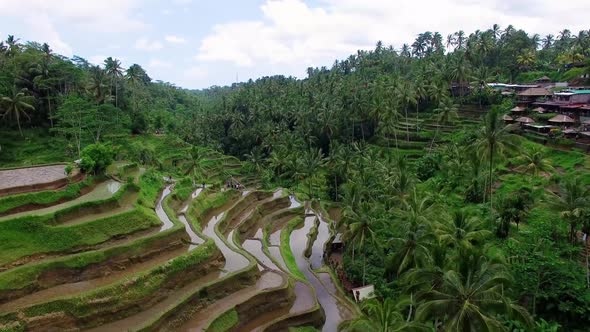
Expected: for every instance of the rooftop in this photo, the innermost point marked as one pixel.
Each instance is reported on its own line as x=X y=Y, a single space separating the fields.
x=535 y=92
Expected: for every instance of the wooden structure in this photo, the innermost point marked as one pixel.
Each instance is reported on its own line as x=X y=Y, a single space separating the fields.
x=363 y=293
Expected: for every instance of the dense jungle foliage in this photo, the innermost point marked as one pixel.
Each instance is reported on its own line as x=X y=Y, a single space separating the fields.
x=459 y=222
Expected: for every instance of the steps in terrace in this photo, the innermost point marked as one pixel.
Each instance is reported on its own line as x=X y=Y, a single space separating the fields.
x=267 y=298
x=102 y=191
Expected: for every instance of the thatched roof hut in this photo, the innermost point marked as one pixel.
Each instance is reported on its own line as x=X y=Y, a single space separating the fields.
x=543 y=79
x=517 y=109
x=561 y=119
x=524 y=119
x=507 y=118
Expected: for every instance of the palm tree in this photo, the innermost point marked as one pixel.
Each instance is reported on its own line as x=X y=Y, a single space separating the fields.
x=361 y=229
x=420 y=93
x=446 y=113
x=461 y=231
x=407 y=97
x=526 y=59
x=416 y=214
x=115 y=71
x=460 y=38
x=16 y=106
x=470 y=301
x=310 y=163
x=573 y=197
x=96 y=84
x=406 y=51
x=548 y=41
x=496 y=31
x=382 y=316
x=534 y=161
x=481 y=76
x=494 y=141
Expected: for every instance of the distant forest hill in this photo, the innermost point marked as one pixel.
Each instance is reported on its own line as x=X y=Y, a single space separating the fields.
x=351 y=101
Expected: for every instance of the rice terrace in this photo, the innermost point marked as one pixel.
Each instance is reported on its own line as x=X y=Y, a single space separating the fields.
x=436 y=181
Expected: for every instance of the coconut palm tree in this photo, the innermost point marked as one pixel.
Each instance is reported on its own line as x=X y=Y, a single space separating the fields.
x=382 y=316
x=420 y=93
x=573 y=197
x=411 y=246
x=534 y=161
x=547 y=41
x=115 y=71
x=309 y=164
x=406 y=95
x=16 y=106
x=471 y=301
x=96 y=84
x=495 y=141
x=446 y=113
x=361 y=227
x=480 y=78
x=461 y=231
x=526 y=59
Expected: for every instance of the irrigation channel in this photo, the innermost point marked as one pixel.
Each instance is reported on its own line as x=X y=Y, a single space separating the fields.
x=250 y=275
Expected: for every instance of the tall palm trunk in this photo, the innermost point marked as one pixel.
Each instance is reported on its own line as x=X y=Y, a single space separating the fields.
x=417 y=112
x=491 y=175
x=434 y=137
x=407 y=125
x=364 y=263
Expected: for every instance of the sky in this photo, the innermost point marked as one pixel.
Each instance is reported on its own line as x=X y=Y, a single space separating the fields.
x=199 y=43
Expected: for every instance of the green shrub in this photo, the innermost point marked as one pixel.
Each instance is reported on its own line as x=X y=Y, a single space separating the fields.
x=427 y=166
x=96 y=158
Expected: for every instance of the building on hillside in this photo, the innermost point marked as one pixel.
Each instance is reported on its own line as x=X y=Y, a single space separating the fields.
x=570 y=102
x=543 y=80
x=531 y=95
x=571 y=96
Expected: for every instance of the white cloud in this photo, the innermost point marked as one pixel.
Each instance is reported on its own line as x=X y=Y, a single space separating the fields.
x=98 y=15
x=97 y=59
x=145 y=44
x=293 y=33
x=175 y=39
x=196 y=73
x=156 y=63
x=43 y=29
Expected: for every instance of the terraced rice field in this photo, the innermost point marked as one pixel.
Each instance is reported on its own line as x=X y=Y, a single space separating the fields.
x=124 y=257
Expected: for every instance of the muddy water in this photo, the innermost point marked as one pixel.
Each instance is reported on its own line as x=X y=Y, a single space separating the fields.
x=335 y=313
x=201 y=319
x=254 y=247
x=195 y=239
x=72 y=289
x=233 y=260
x=294 y=202
x=275 y=252
x=317 y=250
x=277 y=194
x=275 y=237
x=166 y=222
x=102 y=191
